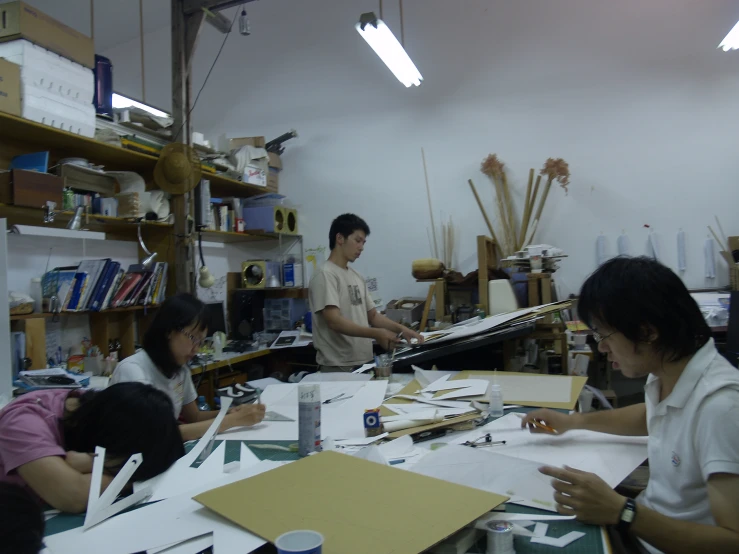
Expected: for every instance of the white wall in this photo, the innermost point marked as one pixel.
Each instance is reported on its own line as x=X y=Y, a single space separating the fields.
x=633 y=95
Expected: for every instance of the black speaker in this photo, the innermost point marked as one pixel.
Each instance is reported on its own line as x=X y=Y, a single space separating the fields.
x=247 y=314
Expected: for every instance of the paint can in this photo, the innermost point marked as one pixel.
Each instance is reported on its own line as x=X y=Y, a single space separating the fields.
x=309 y=419
x=500 y=538
x=372 y=424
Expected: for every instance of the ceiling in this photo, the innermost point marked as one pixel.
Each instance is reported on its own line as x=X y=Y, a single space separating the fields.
x=117 y=21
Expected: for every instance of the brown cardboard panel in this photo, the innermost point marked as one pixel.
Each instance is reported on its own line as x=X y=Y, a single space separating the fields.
x=10 y=87
x=577 y=385
x=359 y=507
x=21 y=20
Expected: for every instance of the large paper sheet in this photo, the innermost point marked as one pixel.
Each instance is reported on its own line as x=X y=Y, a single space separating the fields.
x=192 y=546
x=483 y=469
x=339 y=420
x=155 y=525
x=358 y=506
x=611 y=457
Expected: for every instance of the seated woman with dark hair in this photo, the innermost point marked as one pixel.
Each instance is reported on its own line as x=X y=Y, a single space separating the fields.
x=172 y=340
x=47 y=439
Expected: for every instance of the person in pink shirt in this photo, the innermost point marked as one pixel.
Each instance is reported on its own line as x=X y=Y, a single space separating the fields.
x=47 y=439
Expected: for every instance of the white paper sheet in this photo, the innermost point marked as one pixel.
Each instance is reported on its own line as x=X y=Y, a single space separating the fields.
x=435 y=402
x=477 y=387
x=561 y=542
x=520 y=518
x=397 y=448
x=339 y=420
x=540 y=529
x=610 y=457
x=155 y=525
x=360 y=441
x=192 y=546
x=425 y=377
x=416 y=409
x=445 y=384
x=480 y=468
x=329 y=377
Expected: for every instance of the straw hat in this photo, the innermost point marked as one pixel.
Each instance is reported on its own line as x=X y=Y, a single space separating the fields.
x=178 y=169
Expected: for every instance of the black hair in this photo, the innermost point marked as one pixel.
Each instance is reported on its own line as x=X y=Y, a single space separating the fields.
x=22 y=529
x=637 y=295
x=345 y=225
x=176 y=313
x=125 y=419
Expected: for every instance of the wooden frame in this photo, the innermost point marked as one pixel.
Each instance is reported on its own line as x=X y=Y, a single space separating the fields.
x=487 y=258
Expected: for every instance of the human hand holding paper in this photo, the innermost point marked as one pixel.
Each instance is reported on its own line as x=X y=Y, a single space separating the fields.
x=585 y=496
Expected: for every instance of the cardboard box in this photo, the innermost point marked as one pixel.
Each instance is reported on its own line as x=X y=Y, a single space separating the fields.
x=275 y=162
x=256 y=142
x=30 y=188
x=255 y=175
x=19 y=20
x=273 y=181
x=10 y=88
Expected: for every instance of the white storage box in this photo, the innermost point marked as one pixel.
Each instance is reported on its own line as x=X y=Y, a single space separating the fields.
x=51 y=72
x=51 y=109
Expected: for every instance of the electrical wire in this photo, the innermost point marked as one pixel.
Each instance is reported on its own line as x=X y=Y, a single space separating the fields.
x=197 y=97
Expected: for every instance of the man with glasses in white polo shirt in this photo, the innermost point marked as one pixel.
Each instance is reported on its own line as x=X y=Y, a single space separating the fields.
x=647 y=323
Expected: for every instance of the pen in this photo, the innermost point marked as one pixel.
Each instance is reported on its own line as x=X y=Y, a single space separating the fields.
x=542 y=425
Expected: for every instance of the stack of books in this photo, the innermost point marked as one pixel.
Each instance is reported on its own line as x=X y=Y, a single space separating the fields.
x=96 y=285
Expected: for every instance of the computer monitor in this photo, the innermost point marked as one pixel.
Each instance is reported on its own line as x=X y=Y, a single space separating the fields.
x=217 y=318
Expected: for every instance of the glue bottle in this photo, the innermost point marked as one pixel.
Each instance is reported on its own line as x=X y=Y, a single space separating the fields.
x=495 y=398
x=309 y=419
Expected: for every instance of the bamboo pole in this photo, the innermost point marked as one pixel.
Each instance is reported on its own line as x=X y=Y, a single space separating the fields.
x=544 y=196
x=498 y=187
x=510 y=212
x=431 y=210
x=532 y=204
x=484 y=213
x=526 y=208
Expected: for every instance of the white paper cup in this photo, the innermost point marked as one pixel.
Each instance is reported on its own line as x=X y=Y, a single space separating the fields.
x=300 y=542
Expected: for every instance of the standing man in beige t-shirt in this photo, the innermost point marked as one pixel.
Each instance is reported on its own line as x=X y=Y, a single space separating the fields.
x=345 y=320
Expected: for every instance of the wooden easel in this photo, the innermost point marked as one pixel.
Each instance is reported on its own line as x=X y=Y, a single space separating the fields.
x=437 y=289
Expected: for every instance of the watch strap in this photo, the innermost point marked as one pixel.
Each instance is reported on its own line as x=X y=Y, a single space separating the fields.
x=628 y=513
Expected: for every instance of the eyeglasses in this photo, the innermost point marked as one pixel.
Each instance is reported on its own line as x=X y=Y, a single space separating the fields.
x=195 y=342
x=600 y=338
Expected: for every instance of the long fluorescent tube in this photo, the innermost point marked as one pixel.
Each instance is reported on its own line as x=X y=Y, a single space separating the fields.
x=383 y=42
x=120 y=101
x=731 y=42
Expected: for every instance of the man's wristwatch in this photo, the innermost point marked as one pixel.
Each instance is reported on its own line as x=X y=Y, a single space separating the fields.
x=628 y=513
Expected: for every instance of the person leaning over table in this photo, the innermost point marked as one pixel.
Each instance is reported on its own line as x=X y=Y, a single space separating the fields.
x=48 y=439
x=172 y=340
x=644 y=319
x=345 y=320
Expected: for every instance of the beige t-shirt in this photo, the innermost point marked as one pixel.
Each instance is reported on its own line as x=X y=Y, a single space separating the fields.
x=345 y=289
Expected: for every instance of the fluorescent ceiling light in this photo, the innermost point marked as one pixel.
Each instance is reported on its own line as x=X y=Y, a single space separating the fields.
x=731 y=42
x=383 y=42
x=120 y=102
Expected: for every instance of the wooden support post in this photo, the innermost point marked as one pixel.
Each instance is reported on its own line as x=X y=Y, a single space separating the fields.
x=427 y=307
x=440 y=299
x=486 y=259
x=185 y=32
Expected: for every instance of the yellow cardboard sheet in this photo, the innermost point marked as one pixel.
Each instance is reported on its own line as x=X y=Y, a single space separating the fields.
x=577 y=384
x=359 y=507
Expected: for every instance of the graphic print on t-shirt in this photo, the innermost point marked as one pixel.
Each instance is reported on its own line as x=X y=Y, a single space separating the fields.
x=179 y=390
x=354 y=295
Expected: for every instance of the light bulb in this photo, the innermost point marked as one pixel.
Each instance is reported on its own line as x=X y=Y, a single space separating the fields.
x=206 y=279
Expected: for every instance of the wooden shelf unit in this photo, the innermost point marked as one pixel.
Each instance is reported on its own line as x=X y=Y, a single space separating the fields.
x=24 y=136
x=229 y=237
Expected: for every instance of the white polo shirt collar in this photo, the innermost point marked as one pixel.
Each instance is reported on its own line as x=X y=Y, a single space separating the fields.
x=686 y=383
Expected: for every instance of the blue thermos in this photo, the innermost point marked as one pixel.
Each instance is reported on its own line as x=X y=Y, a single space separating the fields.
x=103 y=99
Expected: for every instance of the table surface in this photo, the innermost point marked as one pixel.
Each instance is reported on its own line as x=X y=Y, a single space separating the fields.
x=228 y=359
x=594 y=541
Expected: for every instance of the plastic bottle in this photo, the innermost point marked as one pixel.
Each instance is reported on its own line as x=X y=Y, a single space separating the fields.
x=202 y=404
x=37 y=294
x=496 y=400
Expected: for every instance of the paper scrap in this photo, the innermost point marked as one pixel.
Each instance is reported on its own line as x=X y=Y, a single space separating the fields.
x=192 y=546
x=360 y=441
x=540 y=529
x=561 y=542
